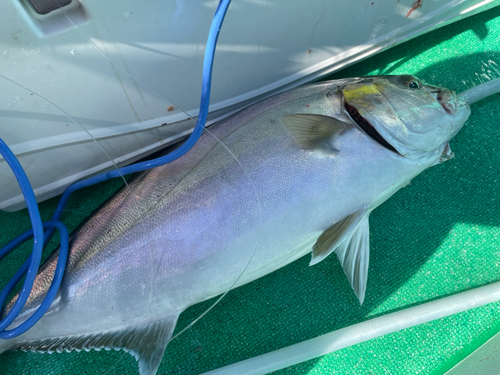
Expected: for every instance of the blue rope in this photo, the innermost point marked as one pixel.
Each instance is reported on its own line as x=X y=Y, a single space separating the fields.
x=30 y=267
x=26 y=290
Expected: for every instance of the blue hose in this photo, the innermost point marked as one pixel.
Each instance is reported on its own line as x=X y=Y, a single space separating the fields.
x=30 y=267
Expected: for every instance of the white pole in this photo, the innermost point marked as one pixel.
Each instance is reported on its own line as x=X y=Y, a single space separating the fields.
x=481 y=91
x=355 y=334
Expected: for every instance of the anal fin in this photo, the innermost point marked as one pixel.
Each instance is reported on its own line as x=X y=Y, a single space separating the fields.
x=146 y=343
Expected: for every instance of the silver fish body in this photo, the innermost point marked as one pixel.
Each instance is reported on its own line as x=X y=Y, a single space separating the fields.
x=258 y=191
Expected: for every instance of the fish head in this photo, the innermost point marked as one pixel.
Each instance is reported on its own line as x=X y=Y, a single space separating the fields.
x=413 y=118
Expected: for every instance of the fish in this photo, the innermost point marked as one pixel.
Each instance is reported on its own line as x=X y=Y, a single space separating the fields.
x=296 y=173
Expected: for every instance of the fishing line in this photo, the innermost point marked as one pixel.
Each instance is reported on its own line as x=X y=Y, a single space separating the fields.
x=31 y=265
x=88 y=39
x=40 y=237
x=377 y=327
x=195 y=135
x=67 y=115
x=253 y=252
x=259 y=235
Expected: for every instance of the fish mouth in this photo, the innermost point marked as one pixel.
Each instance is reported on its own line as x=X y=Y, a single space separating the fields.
x=367 y=127
x=446 y=98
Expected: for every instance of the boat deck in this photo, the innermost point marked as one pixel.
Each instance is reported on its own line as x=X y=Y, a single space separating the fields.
x=436 y=237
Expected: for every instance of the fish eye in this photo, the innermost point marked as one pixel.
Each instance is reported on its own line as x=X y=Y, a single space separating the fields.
x=413 y=85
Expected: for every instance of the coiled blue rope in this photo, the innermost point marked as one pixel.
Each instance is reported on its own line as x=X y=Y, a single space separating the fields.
x=30 y=267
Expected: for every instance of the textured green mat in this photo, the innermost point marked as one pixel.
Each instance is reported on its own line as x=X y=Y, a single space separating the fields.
x=436 y=237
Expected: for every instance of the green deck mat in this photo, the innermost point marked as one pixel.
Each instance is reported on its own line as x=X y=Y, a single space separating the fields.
x=436 y=237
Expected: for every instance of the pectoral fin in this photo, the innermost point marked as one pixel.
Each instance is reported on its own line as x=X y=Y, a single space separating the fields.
x=311 y=131
x=349 y=239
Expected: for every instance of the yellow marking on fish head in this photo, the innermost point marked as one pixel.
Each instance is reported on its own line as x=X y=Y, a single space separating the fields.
x=356 y=92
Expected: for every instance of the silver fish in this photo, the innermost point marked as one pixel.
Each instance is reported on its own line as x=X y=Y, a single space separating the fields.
x=296 y=173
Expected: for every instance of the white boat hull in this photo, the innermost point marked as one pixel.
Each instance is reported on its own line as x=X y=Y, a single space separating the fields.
x=264 y=48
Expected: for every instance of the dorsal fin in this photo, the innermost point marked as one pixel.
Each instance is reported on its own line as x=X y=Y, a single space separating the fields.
x=349 y=239
x=310 y=131
x=146 y=343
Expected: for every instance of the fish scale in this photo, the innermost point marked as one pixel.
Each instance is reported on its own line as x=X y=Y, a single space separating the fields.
x=290 y=175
